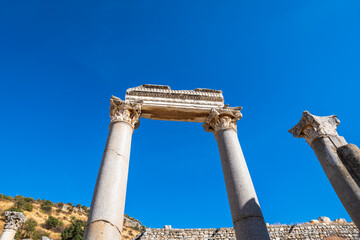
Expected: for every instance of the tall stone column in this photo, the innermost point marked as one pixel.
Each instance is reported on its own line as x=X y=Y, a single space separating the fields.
x=13 y=220
x=320 y=133
x=246 y=214
x=107 y=207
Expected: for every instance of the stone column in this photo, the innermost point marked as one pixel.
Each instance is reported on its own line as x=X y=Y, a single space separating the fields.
x=13 y=220
x=246 y=214
x=320 y=133
x=107 y=207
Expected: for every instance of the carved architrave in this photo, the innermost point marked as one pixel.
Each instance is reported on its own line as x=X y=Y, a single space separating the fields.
x=125 y=111
x=312 y=127
x=222 y=118
x=159 y=102
x=13 y=220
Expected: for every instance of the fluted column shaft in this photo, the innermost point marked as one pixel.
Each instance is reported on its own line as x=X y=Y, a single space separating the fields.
x=321 y=134
x=246 y=214
x=107 y=207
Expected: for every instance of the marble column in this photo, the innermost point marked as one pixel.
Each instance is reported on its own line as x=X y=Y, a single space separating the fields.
x=13 y=220
x=107 y=207
x=320 y=133
x=246 y=214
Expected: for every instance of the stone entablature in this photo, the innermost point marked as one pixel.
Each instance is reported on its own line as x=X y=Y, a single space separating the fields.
x=160 y=102
x=317 y=231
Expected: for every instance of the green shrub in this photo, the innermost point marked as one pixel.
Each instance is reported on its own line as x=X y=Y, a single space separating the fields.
x=23 y=204
x=59 y=205
x=9 y=198
x=46 y=206
x=75 y=231
x=14 y=209
x=58 y=210
x=28 y=230
x=53 y=223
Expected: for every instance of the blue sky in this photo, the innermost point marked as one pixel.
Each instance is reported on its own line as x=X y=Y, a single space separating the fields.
x=60 y=62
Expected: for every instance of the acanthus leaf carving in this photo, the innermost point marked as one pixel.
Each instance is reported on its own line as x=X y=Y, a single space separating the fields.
x=222 y=118
x=125 y=111
x=312 y=127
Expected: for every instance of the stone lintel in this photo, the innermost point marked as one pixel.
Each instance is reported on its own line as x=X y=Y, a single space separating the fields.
x=312 y=127
x=159 y=102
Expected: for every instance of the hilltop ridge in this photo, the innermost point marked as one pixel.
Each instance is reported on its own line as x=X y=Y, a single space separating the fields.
x=50 y=219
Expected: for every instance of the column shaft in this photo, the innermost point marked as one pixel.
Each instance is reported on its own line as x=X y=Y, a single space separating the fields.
x=247 y=217
x=343 y=183
x=8 y=234
x=108 y=203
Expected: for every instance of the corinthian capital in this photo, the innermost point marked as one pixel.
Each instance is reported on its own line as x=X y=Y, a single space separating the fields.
x=312 y=127
x=222 y=118
x=123 y=111
x=13 y=220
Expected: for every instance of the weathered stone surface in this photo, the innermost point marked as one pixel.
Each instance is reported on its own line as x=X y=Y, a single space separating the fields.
x=13 y=220
x=319 y=231
x=324 y=220
x=222 y=118
x=312 y=127
x=245 y=210
x=45 y=238
x=340 y=220
x=125 y=111
x=107 y=207
x=320 y=133
x=161 y=103
x=350 y=156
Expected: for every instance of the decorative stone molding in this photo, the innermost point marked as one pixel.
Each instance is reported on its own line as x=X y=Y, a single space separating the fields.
x=159 y=102
x=222 y=118
x=13 y=220
x=312 y=127
x=123 y=111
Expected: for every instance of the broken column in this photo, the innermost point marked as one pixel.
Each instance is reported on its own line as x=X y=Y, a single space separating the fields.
x=246 y=214
x=107 y=207
x=13 y=220
x=320 y=133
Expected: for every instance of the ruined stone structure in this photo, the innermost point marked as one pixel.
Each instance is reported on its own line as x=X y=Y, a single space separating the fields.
x=340 y=160
x=13 y=220
x=317 y=231
x=161 y=103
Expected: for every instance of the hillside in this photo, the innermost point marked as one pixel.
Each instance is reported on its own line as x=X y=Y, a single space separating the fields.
x=40 y=210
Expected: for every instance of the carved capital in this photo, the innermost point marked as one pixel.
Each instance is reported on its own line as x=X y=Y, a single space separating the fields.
x=123 y=111
x=222 y=118
x=13 y=220
x=312 y=127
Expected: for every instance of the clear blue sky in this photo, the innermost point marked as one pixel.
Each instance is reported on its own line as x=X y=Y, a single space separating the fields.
x=60 y=61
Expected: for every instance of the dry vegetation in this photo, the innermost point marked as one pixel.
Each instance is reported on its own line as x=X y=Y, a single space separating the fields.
x=64 y=215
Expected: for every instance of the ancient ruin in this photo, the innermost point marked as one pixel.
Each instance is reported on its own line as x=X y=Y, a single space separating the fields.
x=313 y=230
x=13 y=220
x=340 y=160
x=161 y=103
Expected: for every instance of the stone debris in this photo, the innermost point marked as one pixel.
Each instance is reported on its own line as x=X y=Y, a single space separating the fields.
x=324 y=220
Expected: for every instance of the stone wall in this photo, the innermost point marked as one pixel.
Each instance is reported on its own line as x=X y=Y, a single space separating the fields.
x=307 y=231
